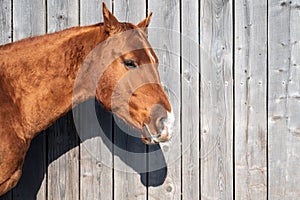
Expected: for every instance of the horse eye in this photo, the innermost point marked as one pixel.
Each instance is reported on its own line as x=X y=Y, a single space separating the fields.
x=129 y=63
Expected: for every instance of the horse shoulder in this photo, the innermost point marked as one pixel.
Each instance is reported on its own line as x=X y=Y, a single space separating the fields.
x=12 y=147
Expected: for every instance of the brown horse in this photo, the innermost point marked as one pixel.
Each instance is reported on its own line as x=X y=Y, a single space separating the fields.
x=39 y=83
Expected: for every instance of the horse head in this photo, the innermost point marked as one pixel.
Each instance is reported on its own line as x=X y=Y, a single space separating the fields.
x=130 y=86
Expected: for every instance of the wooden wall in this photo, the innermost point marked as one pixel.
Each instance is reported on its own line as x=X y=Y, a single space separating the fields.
x=233 y=70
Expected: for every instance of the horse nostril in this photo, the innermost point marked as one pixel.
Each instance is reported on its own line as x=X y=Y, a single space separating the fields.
x=162 y=127
x=161 y=123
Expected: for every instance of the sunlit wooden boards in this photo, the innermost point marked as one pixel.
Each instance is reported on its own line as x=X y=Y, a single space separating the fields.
x=250 y=65
x=190 y=100
x=232 y=139
x=216 y=53
x=283 y=99
x=5 y=22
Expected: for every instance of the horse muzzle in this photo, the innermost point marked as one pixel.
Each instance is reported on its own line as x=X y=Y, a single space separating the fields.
x=160 y=131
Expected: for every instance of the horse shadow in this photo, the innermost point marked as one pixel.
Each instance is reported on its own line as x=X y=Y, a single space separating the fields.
x=38 y=157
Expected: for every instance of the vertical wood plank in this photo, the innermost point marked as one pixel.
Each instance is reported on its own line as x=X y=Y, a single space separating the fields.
x=164 y=36
x=132 y=11
x=190 y=99
x=62 y=14
x=5 y=37
x=216 y=100
x=284 y=107
x=63 y=158
x=96 y=176
x=127 y=182
x=130 y=160
x=251 y=100
x=91 y=11
x=29 y=20
x=5 y=22
x=96 y=180
x=63 y=150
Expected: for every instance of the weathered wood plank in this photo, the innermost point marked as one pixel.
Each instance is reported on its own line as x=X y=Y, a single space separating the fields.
x=165 y=39
x=128 y=166
x=91 y=11
x=63 y=158
x=63 y=150
x=62 y=14
x=190 y=99
x=251 y=100
x=132 y=11
x=216 y=100
x=5 y=22
x=130 y=158
x=96 y=169
x=29 y=20
x=96 y=164
x=284 y=107
x=216 y=117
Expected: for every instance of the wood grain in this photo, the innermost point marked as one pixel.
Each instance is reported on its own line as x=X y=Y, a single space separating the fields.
x=96 y=166
x=132 y=11
x=165 y=39
x=91 y=11
x=284 y=107
x=190 y=99
x=62 y=14
x=5 y=22
x=216 y=100
x=28 y=18
x=266 y=109
x=251 y=100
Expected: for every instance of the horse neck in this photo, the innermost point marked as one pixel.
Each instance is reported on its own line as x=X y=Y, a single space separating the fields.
x=39 y=74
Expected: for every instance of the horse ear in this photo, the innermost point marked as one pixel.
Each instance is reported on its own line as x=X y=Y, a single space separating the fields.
x=110 y=21
x=145 y=23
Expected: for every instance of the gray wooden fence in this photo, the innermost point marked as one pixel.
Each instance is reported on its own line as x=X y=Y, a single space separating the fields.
x=236 y=78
